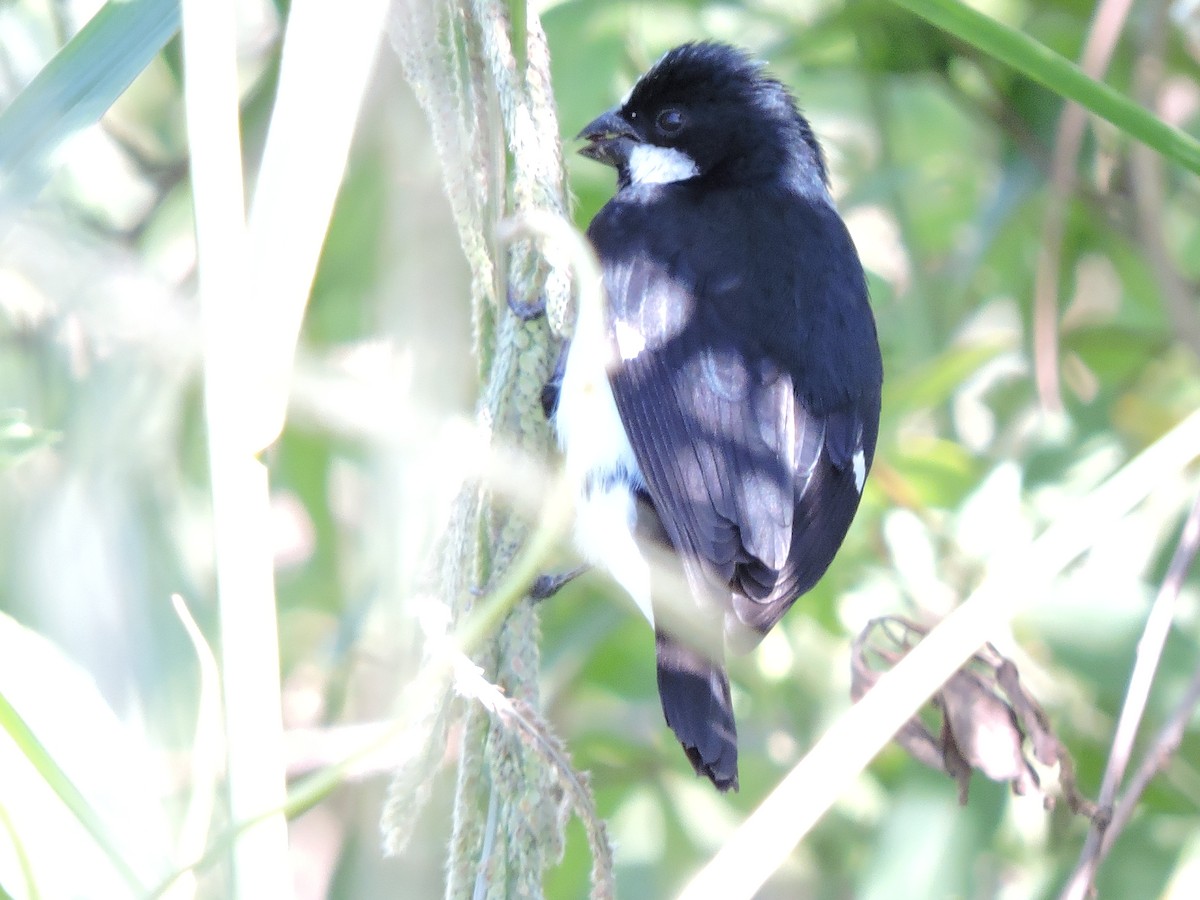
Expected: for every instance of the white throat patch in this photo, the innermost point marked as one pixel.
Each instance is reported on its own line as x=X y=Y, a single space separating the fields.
x=649 y=164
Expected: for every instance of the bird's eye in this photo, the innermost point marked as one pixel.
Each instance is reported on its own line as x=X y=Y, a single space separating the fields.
x=669 y=121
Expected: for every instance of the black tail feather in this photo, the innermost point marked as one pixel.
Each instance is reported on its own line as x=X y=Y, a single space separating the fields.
x=695 y=699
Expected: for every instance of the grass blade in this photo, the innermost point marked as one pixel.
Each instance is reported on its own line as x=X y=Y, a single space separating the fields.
x=64 y=788
x=1059 y=74
x=75 y=89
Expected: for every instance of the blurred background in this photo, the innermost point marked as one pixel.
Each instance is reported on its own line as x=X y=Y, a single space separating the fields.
x=969 y=215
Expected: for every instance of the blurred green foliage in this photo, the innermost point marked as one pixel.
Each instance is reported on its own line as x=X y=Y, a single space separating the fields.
x=941 y=163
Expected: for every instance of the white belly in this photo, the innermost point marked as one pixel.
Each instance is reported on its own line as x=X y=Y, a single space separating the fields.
x=600 y=463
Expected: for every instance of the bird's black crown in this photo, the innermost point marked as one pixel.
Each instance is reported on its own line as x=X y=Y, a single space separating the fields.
x=715 y=84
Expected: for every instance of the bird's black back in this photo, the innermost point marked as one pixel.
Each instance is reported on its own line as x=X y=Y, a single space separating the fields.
x=752 y=306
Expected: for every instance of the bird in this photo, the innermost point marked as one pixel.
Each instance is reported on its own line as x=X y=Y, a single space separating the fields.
x=720 y=409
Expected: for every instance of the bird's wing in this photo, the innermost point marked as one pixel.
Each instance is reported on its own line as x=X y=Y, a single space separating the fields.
x=753 y=463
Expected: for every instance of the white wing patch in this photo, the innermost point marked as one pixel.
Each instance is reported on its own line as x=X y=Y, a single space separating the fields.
x=650 y=164
x=630 y=341
x=860 y=469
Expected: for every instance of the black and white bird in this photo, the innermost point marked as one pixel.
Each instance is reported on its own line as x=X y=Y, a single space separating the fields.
x=724 y=405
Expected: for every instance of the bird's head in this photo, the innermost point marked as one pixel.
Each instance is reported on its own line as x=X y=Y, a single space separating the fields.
x=706 y=110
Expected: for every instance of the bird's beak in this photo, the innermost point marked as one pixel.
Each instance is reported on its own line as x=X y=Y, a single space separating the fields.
x=609 y=138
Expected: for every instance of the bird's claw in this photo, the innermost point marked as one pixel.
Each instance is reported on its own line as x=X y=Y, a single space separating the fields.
x=546 y=586
x=526 y=310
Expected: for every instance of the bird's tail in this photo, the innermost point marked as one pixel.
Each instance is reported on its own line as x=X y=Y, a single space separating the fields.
x=695 y=699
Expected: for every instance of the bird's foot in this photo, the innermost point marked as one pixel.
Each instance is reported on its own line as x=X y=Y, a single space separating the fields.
x=526 y=310
x=546 y=586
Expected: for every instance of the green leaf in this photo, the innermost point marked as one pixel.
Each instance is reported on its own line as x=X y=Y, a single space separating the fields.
x=1043 y=65
x=76 y=88
x=941 y=473
x=58 y=780
x=28 y=882
x=935 y=381
x=18 y=438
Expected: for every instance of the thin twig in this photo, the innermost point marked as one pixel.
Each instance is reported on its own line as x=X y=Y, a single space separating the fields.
x=1149 y=652
x=1147 y=187
x=1101 y=41
x=1166 y=742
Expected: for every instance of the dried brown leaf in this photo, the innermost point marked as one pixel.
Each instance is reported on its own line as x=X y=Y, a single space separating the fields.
x=986 y=716
x=985 y=730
